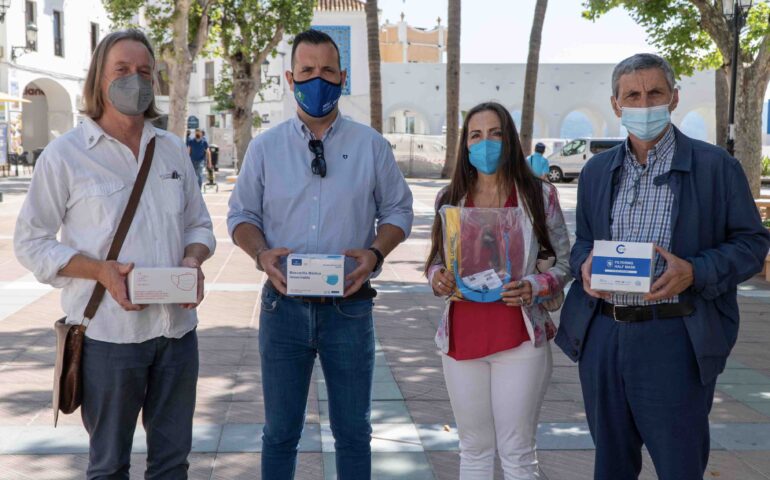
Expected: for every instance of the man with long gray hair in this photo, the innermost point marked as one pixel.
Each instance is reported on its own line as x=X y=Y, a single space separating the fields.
x=649 y=362
x=135 y=357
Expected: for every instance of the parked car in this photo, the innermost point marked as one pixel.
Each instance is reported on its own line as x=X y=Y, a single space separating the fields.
x=566 y=164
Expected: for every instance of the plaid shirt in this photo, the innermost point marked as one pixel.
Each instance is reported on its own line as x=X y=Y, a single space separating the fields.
x=642 y=210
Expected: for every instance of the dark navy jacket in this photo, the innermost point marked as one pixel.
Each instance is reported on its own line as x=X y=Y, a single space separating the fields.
x=715 y=226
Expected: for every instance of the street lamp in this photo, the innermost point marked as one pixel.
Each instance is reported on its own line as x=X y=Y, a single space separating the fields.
x=30 y=42
x=269 y=78
x=735 y=11
x=31 y=36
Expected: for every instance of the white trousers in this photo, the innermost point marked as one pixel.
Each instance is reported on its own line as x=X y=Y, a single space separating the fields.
x=496 y=402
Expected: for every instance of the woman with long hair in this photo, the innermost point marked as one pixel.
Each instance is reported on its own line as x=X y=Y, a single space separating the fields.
x=496 y=356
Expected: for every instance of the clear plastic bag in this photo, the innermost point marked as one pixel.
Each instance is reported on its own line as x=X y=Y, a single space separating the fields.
x=484 y=249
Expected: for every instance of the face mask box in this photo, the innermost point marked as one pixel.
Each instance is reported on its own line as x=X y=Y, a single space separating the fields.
x=315 y=275
x=622 y=266
x=163 y=285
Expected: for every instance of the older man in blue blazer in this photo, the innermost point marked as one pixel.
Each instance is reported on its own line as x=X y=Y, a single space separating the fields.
x=648 y=362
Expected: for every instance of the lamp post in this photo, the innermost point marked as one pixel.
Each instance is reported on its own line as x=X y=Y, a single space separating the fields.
x=30 y=43
x=735 y=11
x=269 y=78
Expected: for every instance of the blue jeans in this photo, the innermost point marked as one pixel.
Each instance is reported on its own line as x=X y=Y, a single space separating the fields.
x=157 y=377
x=198 y=166
x=641 y=386
x=291 y=334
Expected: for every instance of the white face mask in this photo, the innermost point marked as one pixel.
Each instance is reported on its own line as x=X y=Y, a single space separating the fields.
x=645 y=123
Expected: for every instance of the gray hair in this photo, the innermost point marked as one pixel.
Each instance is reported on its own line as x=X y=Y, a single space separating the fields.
x=641 y=61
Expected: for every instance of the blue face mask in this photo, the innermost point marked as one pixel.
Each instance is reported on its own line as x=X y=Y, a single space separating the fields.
x=645 y=123
x=317 y=97
x=485 y=155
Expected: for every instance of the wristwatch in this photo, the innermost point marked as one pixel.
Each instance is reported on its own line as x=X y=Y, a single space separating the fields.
x=380 y=258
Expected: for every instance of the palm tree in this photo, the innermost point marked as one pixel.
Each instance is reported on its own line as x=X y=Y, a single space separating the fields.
x=530 y=78
x=375 y=81
x=452 y=87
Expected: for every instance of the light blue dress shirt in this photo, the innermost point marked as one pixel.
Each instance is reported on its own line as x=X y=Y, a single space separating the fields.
x=277 y=192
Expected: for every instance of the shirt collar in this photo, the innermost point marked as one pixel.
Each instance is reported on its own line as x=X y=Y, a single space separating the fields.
x=663 y=150
x=92 y=132
x=304 y=131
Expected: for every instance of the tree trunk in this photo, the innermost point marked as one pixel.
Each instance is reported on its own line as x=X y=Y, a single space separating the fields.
x=375 y=80
x=179 y=89
x=748 y=124
x=179 y=69
x=530 y=79
x=722 y=96
x=246 y=84
x=452 y=88
x=179 y=58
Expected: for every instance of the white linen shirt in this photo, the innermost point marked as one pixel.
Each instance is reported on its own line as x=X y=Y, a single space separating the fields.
x=81 y=185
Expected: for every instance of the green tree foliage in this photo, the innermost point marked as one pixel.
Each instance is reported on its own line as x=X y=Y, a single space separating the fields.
x=250 y=31
x=675 y=29
x=694 y=35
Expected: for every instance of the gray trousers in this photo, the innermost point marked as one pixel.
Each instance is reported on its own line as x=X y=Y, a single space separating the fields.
x=158 y=377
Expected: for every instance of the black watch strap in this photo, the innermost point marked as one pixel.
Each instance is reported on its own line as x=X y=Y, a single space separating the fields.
x=380 y=258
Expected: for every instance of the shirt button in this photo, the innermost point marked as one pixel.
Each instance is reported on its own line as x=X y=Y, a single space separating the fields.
x=315 y=198
x=313 y=227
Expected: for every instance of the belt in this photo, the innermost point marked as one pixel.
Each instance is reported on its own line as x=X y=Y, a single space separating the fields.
x=366 y=292
x=641 y=313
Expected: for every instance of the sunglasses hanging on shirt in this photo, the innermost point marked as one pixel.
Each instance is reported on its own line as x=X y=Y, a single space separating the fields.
x=318 y=166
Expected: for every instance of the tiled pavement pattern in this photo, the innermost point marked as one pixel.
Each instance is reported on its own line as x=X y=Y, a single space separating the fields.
x=414 y=432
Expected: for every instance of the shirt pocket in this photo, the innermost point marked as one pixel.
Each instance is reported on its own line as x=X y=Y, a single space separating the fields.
x=172 y=196
x=100 y=205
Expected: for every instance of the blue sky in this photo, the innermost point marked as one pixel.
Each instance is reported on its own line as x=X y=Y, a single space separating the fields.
x=497 y=31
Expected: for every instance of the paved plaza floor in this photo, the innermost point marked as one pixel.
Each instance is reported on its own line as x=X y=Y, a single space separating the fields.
x=414 y=436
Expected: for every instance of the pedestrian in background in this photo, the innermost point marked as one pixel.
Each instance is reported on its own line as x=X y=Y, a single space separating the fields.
x=538 y=163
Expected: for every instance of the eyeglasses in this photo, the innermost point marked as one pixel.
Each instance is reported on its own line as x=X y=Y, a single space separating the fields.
x=634 y=193
x=318 y=167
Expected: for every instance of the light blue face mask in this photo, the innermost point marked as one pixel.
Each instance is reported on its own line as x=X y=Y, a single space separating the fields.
x=645 y=123
x=486 y=295
x=485 y=155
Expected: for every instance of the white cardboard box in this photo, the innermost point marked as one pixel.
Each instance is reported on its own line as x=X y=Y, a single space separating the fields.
x=163 y=285
x=622 y=266
x=315 y=275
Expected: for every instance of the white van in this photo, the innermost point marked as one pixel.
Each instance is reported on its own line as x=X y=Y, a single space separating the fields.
x=565 y=165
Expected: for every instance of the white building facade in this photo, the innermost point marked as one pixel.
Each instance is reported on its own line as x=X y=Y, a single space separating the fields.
x=45 y=50
x=570 y=98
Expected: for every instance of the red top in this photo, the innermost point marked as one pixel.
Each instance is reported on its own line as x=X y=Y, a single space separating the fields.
x=480 y=329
